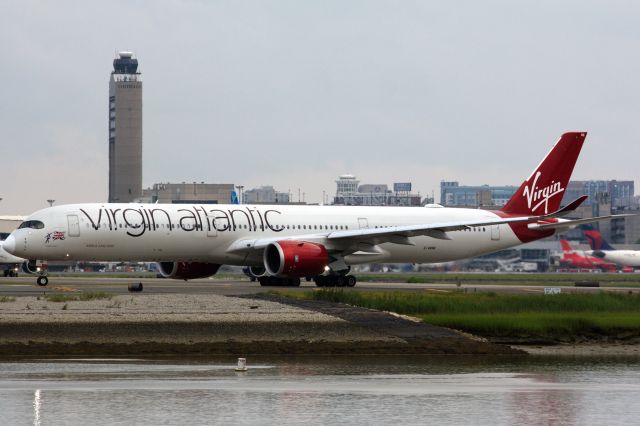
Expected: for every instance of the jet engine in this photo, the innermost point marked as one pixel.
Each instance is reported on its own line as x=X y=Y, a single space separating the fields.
x=187 y=270
x=255 y=272
x=295 y=259
x=31 y=267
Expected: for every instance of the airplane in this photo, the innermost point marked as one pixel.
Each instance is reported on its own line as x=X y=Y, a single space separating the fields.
x=9 y=263
x=601 y=249
x=283 y=243
x=580 y=260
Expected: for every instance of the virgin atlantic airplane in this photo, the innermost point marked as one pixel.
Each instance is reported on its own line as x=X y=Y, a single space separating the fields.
x=281 y=244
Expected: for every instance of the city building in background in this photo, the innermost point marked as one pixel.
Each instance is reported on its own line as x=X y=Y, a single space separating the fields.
x=452 y=194
x=189 y=193
x=265 y=195
x=620 y=192
x=349 y=192
x=125 y=130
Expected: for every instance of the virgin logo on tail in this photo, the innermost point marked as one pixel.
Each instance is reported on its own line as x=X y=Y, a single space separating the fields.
x=541 y=196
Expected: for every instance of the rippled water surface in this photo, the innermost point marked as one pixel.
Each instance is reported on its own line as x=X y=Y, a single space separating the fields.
x=341 y=390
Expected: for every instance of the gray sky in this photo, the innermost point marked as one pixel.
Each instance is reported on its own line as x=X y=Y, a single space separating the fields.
x=294 y=93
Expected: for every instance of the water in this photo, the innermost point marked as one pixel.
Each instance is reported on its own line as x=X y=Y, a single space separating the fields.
x=316 y=391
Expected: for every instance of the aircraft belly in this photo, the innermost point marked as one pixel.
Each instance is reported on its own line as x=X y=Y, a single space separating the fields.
x=151 y=247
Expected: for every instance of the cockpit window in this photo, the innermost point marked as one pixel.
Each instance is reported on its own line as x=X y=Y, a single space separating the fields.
x=33 y=224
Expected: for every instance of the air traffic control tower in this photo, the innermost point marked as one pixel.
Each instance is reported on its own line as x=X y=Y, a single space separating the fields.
x=125 y=130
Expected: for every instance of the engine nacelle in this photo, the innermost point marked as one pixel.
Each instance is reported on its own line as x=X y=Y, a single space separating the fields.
x=32 y=267
x=187 y=270
x=257 y=271
x=295 y=259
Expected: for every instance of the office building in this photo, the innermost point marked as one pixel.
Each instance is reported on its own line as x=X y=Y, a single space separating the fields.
x=189 y=193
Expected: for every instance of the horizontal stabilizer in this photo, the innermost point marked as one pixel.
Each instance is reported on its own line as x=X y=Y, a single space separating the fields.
x=573 y=222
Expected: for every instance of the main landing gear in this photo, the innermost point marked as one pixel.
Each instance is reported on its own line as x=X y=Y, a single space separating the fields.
x=279 y=282
x=335 y=280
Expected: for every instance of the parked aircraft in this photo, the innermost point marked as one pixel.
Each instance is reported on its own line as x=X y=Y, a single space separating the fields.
x=283 y=243
x=601 y=249
x=9 y=263
x=577 y=259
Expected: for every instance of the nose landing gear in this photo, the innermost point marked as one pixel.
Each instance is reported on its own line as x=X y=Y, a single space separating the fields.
x=42 y=280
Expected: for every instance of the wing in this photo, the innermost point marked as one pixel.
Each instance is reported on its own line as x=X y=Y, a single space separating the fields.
x=351 y=241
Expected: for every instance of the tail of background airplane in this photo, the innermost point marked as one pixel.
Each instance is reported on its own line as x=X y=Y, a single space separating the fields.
x=542 y=192
x=565 y=246
x=596 y=242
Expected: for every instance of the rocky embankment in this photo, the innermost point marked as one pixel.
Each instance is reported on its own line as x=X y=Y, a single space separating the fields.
x=143 y=325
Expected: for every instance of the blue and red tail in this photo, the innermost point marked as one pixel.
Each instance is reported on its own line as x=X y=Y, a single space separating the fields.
x=596 y=242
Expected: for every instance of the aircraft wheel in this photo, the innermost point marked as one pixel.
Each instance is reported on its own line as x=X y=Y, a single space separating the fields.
x=294 y=282
x=340 y=281
x=351 y=281
x=135 y=287
x=264 y=281
x=42 y=281
x=320 y=281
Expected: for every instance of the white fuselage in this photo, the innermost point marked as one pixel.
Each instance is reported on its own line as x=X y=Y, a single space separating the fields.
x=619 y=257
x=177 y=232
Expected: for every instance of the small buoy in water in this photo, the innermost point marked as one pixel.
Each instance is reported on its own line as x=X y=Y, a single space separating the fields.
x=242 y=364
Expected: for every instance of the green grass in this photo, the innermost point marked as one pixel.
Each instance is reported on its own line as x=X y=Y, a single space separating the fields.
x=64 y=297
x=482 y=278
x=497 y=315
x=540 y=323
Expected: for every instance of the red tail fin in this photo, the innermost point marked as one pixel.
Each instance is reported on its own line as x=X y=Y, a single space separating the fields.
x=542 y=192
x=565 y=245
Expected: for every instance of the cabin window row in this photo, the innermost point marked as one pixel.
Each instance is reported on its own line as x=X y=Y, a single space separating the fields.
x=242 y=226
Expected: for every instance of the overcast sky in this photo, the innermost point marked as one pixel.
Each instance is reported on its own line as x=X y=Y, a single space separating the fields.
x=294 y=93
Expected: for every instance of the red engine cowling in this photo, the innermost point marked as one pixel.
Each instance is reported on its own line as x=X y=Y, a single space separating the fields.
x=295 y=259
x=187 y=270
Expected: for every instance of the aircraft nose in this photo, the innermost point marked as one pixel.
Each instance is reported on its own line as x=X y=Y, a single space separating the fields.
x=9 y=244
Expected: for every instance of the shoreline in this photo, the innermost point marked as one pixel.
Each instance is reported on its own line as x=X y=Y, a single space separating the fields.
x=171 y=325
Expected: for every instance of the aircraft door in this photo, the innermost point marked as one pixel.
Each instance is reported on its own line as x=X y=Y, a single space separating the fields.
x=495 y=232
x=363 y=223
x=211 y=228
x=74 y=225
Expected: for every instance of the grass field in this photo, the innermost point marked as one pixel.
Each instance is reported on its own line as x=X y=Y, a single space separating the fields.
x=564 y=317
x=480 y=278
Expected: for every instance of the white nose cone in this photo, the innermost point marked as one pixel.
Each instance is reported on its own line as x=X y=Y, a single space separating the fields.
x=9 y=244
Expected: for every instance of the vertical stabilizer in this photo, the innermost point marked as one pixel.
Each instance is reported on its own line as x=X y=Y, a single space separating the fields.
x=566 y=247
x=542 y=192
x=596 y=242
